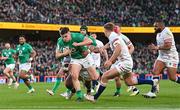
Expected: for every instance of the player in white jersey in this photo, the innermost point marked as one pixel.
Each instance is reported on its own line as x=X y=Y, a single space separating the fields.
x=131 y=50
x=97 y=56
x=168 y=55
x=121 y=63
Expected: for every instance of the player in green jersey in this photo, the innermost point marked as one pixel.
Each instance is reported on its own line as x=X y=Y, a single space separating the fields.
x=8 y=57
x=25 y=54
x=74 y=44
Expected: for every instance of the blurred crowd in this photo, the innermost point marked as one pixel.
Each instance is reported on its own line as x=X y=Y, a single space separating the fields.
x=45 y=63
x=91 y=12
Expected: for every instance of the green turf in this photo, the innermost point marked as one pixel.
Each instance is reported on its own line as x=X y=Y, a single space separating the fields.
x=169 y=97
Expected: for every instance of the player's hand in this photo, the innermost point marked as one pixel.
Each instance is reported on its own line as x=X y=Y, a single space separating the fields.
x=101 y=50
x=153 y=47
x=4 y=58
x=30 y=59
x=67 y=52
x=75 y=44
x=107 y=64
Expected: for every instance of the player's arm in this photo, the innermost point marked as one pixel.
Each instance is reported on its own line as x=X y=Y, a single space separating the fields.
x=107 y=46
x=131 y=48
x=60 y=54
x=86 y=41
x=116 y=53
x=167 y=44
x=3 y=57
x=33 y=54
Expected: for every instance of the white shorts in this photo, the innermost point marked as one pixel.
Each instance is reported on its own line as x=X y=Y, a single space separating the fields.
x=25 y=67
x=169 y=61
x=123 y=67
x=85 y=62
x=11 y=66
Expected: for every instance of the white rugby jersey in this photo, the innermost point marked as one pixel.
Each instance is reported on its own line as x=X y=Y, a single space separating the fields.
x=115 y=39
x=97 y=56
x=126 y=39
x=166 y=36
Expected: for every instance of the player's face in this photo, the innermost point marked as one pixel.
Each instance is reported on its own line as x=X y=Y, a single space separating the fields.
x=94 y=36
x=7 y=46
x=83 y=31
x=22 y=40
x=157 y=27
x=106 y=33
x=66 y=37
x=117 y=29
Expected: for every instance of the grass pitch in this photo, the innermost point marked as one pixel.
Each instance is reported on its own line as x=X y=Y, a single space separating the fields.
x=168 y=98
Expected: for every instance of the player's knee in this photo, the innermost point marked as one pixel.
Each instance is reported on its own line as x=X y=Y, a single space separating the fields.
x=74 y=76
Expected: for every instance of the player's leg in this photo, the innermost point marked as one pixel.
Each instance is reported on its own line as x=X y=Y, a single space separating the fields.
x=16 y=84
x=94 y=82
x=69 y=85
x=118 y=86
x=110 y=74
x=6 y=72
x=159 y=65
x=56 y=84
x=24 y=68
x=74 y=71
x=172 y=71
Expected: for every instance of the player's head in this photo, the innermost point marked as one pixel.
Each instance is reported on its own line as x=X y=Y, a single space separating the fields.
x=94 y=35
x=84 y=29
x=7 y=45
x=117 y=29
x=158 y=26
x=22 y=39
x=65 y=34
x=108 y=28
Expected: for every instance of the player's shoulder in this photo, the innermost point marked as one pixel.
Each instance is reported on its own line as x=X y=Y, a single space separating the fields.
x=27 y=44
x=75 y=34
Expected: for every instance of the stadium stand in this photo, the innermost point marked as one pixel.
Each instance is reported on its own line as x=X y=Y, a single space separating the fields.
x=90 y=12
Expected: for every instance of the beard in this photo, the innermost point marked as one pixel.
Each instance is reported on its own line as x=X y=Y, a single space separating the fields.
x=157 y=30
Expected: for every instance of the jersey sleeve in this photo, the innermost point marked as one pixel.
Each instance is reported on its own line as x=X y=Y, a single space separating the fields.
x=168 y=36
x=126 y=40
x=78 y=37
x=30 y=48
x=59 y=45
x=93 y=41
x=13 y=51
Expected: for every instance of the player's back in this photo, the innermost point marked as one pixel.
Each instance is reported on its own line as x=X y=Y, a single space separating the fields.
x=115 y=39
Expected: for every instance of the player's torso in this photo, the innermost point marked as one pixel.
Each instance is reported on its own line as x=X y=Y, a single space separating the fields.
x=8 y=53
x=160 y=38
x=23 y=53
x=124 y=55
x=76 y=51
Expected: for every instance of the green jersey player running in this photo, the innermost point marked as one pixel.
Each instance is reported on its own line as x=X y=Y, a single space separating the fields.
x=74 y=44
x=25 y=54
x=8 y=57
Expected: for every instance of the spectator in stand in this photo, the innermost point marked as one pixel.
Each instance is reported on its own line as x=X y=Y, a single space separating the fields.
x=91 y=12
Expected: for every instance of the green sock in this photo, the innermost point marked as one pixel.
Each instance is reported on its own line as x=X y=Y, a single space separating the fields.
x=68 y=91
x=79 y=94
x=56 y=85
x=30 y=87
x=118 y=90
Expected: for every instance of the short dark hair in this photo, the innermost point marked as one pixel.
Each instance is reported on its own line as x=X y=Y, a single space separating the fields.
x=22 y=36
x=160 y=21
x=64 y=30
x=109 y=26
